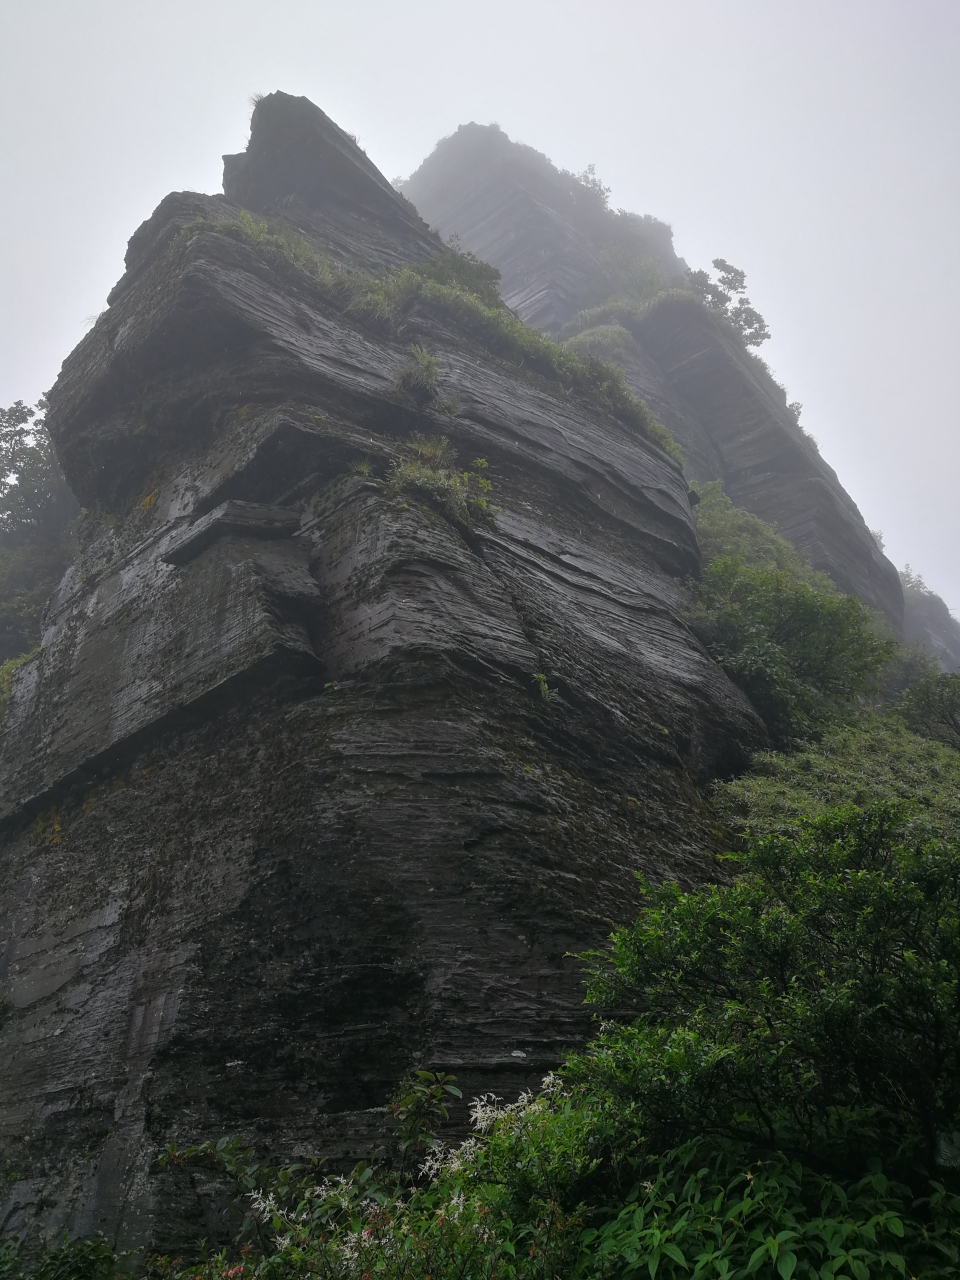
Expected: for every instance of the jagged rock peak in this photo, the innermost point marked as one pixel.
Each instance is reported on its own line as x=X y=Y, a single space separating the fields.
x=544 y=228
x=296 y=150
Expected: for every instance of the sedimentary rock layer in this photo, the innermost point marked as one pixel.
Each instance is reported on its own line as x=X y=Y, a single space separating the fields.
x=547 y=233
x=286 y=812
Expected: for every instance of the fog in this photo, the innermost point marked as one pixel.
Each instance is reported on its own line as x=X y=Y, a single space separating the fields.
x=814 y=144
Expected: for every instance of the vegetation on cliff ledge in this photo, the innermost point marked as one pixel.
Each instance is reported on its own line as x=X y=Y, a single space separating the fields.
x=461 y=291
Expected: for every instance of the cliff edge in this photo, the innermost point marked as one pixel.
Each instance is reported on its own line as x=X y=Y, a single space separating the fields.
x=552 y=237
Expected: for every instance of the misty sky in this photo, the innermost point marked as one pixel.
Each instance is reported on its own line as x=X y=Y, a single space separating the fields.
x=813 y=143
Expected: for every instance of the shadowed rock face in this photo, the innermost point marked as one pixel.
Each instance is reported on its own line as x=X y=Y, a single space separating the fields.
x=546 y=233
x=284 y=811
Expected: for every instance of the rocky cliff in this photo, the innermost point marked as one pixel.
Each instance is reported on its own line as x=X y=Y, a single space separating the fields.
x=553 y=239
x=323 y=767
x=928 y=622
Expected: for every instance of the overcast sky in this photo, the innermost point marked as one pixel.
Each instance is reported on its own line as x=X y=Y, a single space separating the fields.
x=812 y=142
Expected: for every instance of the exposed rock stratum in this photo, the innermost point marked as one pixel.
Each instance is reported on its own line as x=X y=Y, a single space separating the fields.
x=285 y=810
x=548 y=233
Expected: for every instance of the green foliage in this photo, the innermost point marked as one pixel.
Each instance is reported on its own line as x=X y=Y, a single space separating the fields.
x=801 y=655
x=543 y=688
x=872 y=759
x=607 y=341
x=456 y=269
x=427 y=469
x=703 y=1213
x=719 y=294
x=420 y=376
x=726 y=530
x=419 y=1108
x=89 y=1258
x=931 y=708
x=810 y=1006
x=627 y=279
x=35 y=501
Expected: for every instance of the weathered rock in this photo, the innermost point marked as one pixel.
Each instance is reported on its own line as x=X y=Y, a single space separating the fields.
x=284 y=810
x=928 y=622
x=546 y=233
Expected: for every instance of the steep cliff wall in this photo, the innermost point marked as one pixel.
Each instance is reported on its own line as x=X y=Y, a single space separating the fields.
x=285 y=812
x=547 y=234
x=928 y=622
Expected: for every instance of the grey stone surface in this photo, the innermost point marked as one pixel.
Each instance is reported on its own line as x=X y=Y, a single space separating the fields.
x=289 y=817
x=546 y=233
x=928 y=622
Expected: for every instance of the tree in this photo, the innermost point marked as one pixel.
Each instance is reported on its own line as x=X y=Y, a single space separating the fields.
x=37 y=515
x=719 y=296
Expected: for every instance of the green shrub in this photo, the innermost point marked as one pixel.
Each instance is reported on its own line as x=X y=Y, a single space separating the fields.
x=608 y=341
x=931 y=708
x=810 y=1006
x=420 y=376
x=801 y=654
x=37 y=518
x=874 y=758
x=88 y=1258
x=426 y=468
x=726 y=530
x=705 y=1213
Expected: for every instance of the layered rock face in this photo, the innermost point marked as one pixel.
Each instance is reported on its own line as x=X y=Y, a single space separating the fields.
x=285 y=811
x=548 y=234
x=928 y=623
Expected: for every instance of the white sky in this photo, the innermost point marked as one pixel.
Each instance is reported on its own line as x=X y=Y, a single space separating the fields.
x=812 y=142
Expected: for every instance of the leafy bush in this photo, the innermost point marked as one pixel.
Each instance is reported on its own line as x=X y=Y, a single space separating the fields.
x=89 y=1258
x=873 y=758
x=931 y=708
x=703 y=1213
x=802 y=655
x=807 y=1007
x=608 y=341
x=726 y=530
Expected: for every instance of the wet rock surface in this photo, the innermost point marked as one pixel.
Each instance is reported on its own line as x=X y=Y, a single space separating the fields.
x=284 y=811
x=547 y=234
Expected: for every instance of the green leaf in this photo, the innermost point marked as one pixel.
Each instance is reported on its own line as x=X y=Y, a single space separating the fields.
x=759 y=1255
x=786 y=1265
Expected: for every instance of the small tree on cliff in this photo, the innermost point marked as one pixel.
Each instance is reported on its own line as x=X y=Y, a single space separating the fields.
x=726 y=295
x=37 y=513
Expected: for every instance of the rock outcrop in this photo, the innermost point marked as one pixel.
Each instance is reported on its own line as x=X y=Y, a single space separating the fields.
x=548 y=234
x=285 y=811
x=928 y=622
